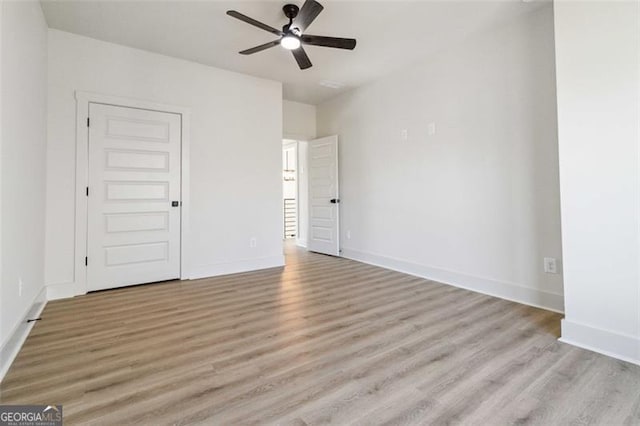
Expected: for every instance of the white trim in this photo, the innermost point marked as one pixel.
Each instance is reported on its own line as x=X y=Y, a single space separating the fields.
x=234 y=267
x=638 y=230
x=1 y=148
x=502 y=289
x=301 y=242
x=606 y=342
x=338 y=205
x=79 y=284
x=19 y=334
x=297 y=137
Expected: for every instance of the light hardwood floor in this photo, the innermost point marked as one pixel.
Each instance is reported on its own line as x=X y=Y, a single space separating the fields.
x=323 y=340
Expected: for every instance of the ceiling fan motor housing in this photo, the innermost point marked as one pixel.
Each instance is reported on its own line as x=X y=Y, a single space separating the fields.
x=290 y=11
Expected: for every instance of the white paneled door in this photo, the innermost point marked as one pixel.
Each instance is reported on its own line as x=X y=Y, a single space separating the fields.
x=324 y=201
x=134 y=196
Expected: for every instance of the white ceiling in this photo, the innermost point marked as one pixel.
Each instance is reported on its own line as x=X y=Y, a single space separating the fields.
x=390 y=34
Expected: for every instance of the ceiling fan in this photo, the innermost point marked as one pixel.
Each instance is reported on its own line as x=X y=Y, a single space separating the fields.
x=292 y=36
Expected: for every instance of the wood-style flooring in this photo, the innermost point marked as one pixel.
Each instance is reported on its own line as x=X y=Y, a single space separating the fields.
x=322 y=341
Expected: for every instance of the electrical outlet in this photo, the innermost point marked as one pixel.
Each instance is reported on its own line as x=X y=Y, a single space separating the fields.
x=404 y=134
x=253 y=243
x=550 y=265
x=20 y=287
x=348 y=235
x=431 y=129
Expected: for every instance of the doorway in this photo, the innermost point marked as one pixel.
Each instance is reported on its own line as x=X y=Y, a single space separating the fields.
x=310 y=194
x=290 y=202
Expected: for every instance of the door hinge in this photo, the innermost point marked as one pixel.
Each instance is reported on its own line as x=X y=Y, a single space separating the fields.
x=87 y=191
x=86 y=261
x=88 y=121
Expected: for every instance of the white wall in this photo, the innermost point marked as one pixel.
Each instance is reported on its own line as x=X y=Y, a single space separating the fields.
x=23 y=63
x=299 y=120
x=598 y=72
x=236 y=152
x=477 y=204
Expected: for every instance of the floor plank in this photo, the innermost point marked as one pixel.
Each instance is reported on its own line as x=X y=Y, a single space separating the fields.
x=322 y=341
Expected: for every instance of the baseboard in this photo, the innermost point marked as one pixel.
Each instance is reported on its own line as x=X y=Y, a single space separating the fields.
x=301 y=242
x=66 y=290
x=245 y=265
x=621 y=346
x=504 y=290
x=18 y=335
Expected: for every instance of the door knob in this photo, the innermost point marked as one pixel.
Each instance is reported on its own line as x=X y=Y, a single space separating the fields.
x=175 y=204
x=335 y=200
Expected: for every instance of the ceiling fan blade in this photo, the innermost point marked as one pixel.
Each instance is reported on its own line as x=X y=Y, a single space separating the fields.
x=260 y=48
x=301 y=58
x=339 y=43
x=308 y=13
x=253 y=22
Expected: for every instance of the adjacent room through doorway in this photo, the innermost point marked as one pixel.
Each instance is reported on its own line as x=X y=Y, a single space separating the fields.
x=295 y=192
x=290 y=189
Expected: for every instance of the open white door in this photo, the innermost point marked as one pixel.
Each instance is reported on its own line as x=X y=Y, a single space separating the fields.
x=134 y=196
x=323 y=236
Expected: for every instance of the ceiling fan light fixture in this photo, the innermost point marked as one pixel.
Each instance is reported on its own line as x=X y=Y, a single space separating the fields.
x=290 y=42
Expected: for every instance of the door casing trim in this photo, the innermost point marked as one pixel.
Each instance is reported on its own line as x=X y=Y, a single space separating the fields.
x=83 y=99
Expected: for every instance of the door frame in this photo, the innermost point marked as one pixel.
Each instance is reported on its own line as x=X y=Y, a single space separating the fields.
x=301 y=171
x=83 y=99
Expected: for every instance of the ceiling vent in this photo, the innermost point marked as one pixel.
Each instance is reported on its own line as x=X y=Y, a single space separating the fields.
x=331 y=84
